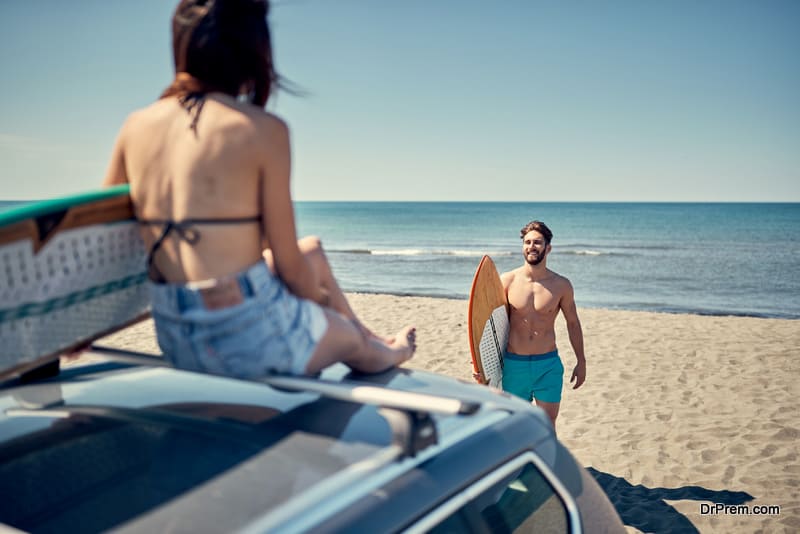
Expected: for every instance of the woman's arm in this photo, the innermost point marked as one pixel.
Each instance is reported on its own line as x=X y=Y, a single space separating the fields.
x=116 y=173
x=278 y=216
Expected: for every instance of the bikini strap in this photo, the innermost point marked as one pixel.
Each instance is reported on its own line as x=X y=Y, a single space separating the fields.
x=187 y=234
x=184 y=231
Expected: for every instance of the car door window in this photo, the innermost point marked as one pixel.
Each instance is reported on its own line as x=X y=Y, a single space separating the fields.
x=516 y=498
x=522 y=502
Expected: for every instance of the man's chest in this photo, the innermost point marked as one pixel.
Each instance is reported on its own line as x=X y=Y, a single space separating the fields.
x=532 y=297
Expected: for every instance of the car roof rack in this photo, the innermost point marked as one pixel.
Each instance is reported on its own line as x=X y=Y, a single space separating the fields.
x=408 y=413
x=345 y=390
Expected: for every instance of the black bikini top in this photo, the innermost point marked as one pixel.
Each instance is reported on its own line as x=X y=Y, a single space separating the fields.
x=184 y=230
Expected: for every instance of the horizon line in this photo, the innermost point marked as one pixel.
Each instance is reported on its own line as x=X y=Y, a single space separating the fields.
x=451 y=201
x=456 y=201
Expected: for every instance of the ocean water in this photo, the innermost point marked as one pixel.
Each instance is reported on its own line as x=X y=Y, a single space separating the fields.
x=713 y=259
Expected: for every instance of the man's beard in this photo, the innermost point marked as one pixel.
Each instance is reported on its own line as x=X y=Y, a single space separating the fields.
x=537 y=261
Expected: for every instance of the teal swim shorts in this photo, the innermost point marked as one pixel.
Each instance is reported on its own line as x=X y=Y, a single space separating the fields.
x=539 y=376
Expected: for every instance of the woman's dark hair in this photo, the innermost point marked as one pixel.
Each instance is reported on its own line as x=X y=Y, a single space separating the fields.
x=222 y=45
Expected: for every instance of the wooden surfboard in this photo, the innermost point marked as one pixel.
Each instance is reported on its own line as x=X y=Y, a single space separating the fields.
x=487 y=322
x=72 y=270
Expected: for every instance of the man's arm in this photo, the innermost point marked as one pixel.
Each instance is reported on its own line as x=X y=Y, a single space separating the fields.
x=570 y=312
x=506 y=279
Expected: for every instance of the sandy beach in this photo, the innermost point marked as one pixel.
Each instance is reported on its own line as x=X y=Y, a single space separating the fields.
x=678 y=411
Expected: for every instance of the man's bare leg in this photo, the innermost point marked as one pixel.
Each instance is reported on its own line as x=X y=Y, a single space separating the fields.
x=551 y=408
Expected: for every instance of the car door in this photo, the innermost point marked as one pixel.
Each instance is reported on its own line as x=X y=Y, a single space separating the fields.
x=520 y=496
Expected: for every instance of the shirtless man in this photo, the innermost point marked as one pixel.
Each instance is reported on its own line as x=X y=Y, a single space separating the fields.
x=532 y=368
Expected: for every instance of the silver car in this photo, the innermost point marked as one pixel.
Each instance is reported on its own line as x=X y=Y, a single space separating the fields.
x=130 y=445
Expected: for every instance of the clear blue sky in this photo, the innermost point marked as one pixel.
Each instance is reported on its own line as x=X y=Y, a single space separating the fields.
x=640 y=100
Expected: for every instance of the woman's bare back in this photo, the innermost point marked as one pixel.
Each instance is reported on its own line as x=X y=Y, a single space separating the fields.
x=214 y=170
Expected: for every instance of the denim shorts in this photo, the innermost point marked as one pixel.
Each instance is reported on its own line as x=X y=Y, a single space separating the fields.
x=271 y=331
x=540 y=376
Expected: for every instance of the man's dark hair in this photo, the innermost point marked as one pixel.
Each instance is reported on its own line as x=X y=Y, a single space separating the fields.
x=223 y=45
x=538 y=226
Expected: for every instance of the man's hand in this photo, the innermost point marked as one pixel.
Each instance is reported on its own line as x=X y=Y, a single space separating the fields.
x=578 y=374
x=479 y=378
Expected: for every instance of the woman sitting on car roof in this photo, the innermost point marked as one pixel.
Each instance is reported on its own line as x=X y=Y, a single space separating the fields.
x=233 y=290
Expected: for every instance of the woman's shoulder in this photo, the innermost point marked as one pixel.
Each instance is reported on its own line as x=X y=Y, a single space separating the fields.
x=149 y=114
x=250 y=116
x=266 y=119
x=223 y=112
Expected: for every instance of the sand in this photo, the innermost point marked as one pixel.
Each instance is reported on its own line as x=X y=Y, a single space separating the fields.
x=677 y=412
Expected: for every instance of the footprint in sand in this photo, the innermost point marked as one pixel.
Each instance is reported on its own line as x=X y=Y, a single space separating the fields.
x=787 y=434
x=769 y=450
x=694 y=445
x=727 y=477
x=784 y=460
x=580 y=431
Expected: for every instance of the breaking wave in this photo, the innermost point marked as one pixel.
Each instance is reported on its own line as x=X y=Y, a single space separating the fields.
x=423 y=252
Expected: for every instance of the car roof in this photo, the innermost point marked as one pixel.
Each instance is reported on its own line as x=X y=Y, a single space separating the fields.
x=222 y=453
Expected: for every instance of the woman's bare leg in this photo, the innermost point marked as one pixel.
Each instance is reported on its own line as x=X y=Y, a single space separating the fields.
x=346 y=342
x=311 y=247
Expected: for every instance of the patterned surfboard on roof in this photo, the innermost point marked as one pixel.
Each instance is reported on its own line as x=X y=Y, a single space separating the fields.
x=71 y=270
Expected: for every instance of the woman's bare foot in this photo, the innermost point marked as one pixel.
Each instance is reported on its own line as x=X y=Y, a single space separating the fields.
x=369 y=334
x=406 y=342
